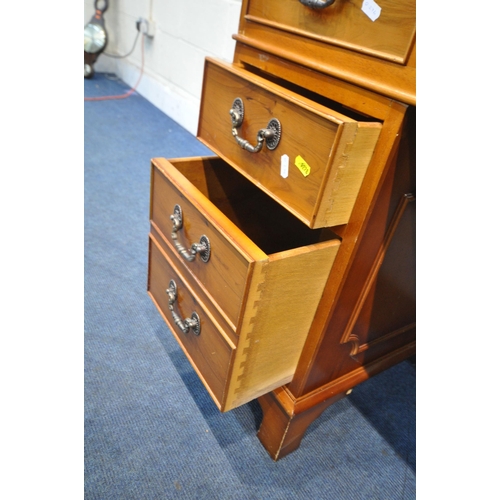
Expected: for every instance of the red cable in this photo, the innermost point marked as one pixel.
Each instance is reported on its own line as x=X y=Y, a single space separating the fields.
x=131 y=91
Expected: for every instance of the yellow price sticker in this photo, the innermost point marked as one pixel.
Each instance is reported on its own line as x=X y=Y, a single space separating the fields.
x=302 y=165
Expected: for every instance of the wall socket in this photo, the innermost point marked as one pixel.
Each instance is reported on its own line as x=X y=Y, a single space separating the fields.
x=146 y=27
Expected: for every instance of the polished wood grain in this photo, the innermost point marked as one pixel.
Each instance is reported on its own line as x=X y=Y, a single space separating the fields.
x=282 y=427
x=336 y=147
x=287 y=417
x=224 y=276
x=288 y=276
x=365 y=322
x=302 y=318
x=209 y=353
x=344 y=24
x=279 y=309
x=384 y=77
x=184 y=273
x=347 y=94
x=390 y=178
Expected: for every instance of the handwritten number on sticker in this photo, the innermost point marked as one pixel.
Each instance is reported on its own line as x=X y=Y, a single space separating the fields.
x=371 y=9
x=302 y=165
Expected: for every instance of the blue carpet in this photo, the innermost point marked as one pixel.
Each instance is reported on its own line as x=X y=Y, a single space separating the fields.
x=151 y=429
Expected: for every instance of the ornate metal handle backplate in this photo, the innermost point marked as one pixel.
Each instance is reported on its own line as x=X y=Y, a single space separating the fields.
x=317 y=4
x=270 y=135
x=202 y=248
x=192 y=323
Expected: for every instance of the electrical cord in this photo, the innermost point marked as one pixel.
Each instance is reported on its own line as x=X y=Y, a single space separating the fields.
x=126 y=55
x=131 y=91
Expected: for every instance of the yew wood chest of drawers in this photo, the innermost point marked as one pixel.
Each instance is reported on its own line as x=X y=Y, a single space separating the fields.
x=284 y=264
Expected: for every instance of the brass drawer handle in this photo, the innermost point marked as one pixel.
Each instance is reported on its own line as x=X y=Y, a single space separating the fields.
x=185 y=325
x=271 y=135
x=317 y=4
x=202 y=248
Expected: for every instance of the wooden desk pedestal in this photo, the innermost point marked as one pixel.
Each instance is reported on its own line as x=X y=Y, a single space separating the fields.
x=346 y=101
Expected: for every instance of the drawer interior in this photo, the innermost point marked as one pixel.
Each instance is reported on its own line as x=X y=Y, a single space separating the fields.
x=309 y=94
x=270 y=226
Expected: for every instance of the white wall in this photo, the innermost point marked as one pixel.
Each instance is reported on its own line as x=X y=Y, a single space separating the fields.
x=185 y=32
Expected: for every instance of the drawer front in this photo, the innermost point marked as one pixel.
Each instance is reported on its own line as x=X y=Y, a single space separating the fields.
x=318 y=165
x=208 y=351
x=242 y=224
x=347 y=24
x=224 y=275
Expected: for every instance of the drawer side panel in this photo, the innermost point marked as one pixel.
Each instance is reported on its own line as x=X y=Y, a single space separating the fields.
x=283 y=297
x=349 y=166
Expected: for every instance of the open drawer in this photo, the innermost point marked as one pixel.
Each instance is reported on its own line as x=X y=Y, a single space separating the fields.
x=248 y=261
x=304 y=153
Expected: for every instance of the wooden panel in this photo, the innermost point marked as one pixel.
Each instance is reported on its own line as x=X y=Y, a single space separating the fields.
x=209 y=353
x=336 y=148
x=286 y=418
x=351 y=96
x=242 y=223
x=387 y=301
x=356 y=264
x=184 y=273
x=281 y=304
x=384 y=77
x=344 y=24
x=224 y=276
x=350 y=163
